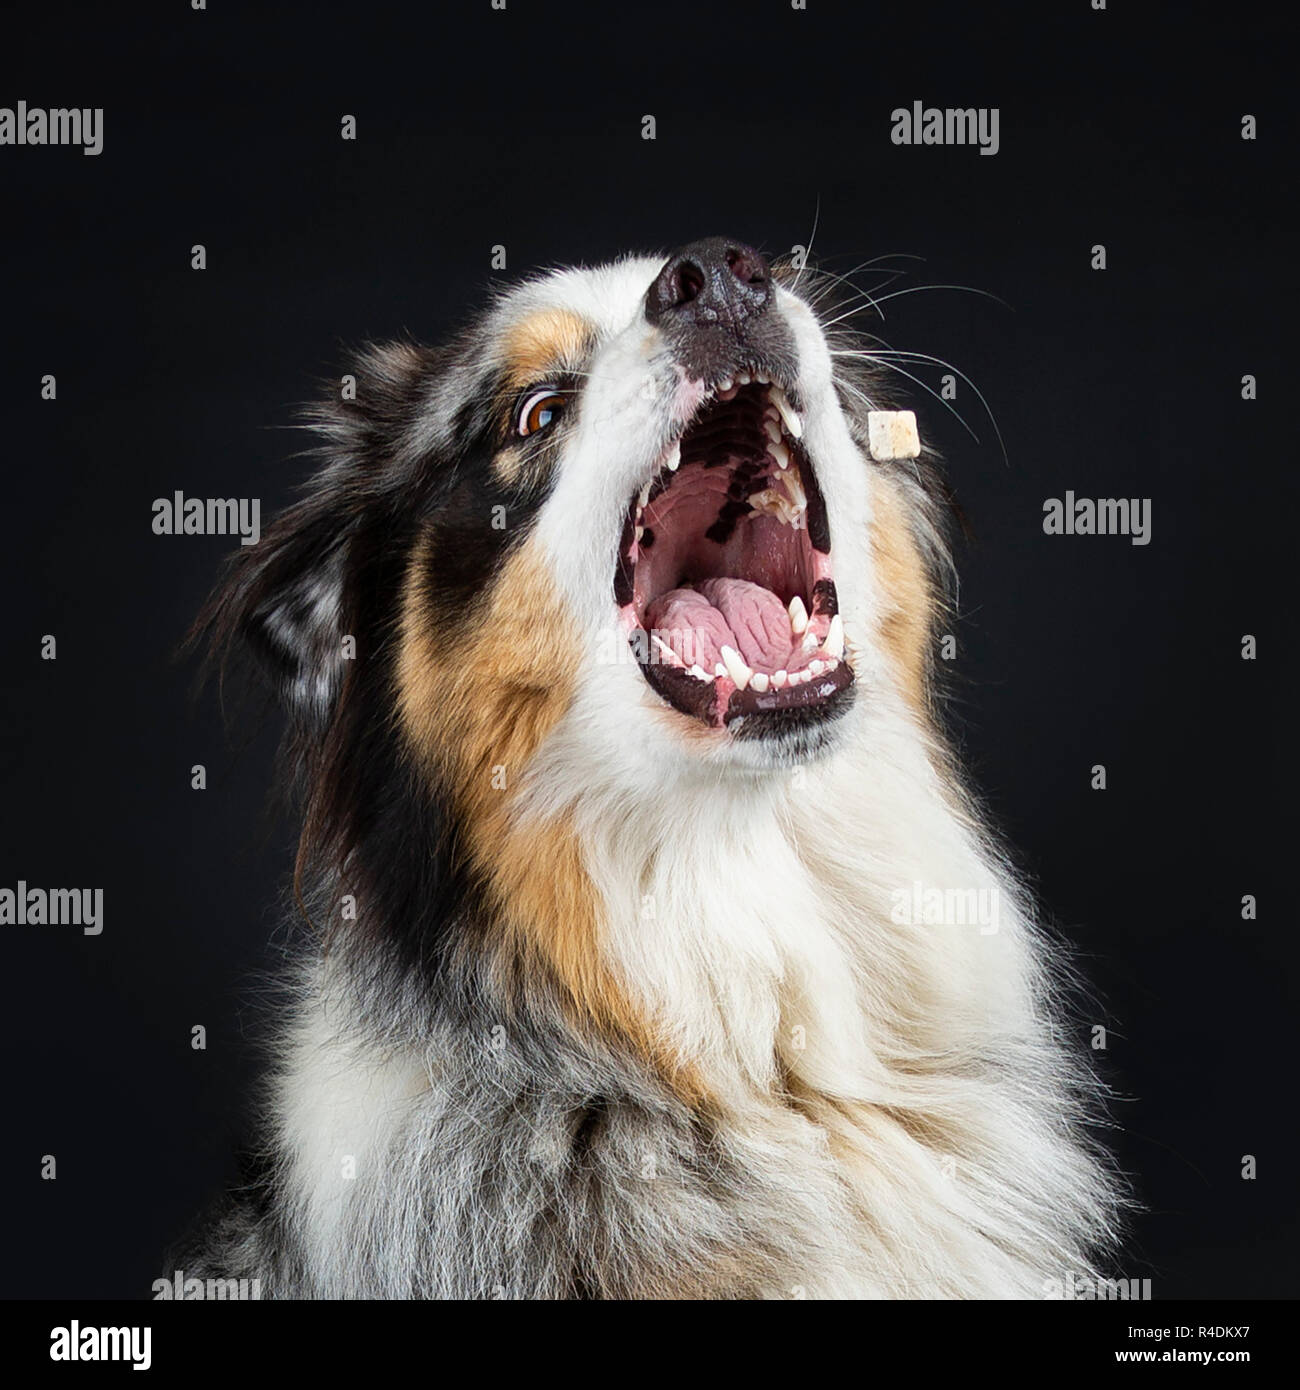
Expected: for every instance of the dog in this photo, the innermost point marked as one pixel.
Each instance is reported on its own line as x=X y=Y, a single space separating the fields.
x=608 y=652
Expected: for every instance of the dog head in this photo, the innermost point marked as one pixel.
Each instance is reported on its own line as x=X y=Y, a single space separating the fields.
x=631 y=510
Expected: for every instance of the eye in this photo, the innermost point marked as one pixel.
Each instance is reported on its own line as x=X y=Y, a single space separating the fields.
x=541 y=408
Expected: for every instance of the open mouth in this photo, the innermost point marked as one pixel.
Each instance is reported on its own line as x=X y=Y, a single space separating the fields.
x=724 y=578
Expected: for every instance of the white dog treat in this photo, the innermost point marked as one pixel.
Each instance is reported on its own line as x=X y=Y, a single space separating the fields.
x=891 y=434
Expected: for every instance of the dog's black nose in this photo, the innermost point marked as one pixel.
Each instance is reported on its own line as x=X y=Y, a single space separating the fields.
x=716 y=281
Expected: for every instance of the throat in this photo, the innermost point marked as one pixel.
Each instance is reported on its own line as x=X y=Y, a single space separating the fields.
x=726 y=941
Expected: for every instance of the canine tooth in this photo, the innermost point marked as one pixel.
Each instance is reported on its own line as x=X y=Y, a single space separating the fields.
x=737 y=668
x=780 y=453
x=674 y=456
x=759 y=681
x=834 y=642
x=788 y=413
x=779 y=679
x=798 y=615
x=816 y=667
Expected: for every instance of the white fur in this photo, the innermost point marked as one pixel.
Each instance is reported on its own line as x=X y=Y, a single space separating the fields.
x=899 y=1083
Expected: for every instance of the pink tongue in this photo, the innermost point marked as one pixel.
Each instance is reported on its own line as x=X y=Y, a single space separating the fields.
x=696 y=623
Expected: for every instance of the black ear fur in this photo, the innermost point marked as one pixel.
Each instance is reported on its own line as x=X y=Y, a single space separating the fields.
x=288 y=610
x=289 y=600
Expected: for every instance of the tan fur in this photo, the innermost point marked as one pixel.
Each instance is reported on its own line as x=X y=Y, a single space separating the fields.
x=905 y=587
x=480 y=719
x=544 y=343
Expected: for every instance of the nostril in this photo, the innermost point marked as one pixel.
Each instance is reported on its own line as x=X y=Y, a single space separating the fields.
x=690 y=281
x=745 y=266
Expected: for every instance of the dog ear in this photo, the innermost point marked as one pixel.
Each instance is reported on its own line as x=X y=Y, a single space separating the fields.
x=289 y=600
x=284 y=602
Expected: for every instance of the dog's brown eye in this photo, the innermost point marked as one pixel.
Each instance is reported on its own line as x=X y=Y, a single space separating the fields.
x=541 y=409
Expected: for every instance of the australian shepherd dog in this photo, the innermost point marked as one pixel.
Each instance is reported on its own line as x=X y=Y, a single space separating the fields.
x=607 y=648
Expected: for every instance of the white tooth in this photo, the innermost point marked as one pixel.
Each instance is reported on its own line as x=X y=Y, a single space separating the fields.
x=759 y=681
x=763 y=378
x=719 y=670
x=675 y=456
x=725 y=384
x=794 y=487
x=832 y=666
x=780 y=453
x=816 y=667
x=699 y=673
x=834 y=642
x=644 y=497
x=779 y=679
x=772 y=428
x=788 y=414
x=798 y=615
x=672 y=659
x=737 y=668
x=809 y=643
x=640 y=531
x=743 y=378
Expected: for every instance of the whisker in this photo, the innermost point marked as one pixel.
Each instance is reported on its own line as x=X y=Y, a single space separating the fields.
x=956 y=371
x=867 y=401
x=858 y=291
x=947 y=405
x=882 y=357
x=817 y=212
x=964 y=289
x=861 y=395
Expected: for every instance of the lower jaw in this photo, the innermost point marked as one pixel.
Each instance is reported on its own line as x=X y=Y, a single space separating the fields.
x=751 y=714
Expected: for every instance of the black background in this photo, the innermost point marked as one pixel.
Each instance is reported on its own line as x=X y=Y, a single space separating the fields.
x=523 y=128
